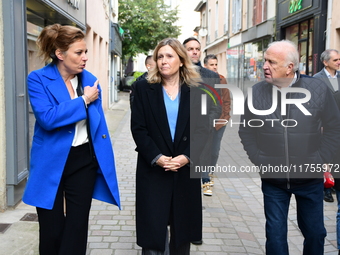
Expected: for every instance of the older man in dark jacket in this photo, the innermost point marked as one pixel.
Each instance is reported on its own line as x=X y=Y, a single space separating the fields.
x=288 y=146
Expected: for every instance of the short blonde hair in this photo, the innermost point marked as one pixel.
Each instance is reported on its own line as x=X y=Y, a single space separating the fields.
x=188 y=71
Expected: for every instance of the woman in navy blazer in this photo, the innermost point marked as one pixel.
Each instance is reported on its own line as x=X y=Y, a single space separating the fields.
x=164 y=126
x=71 y=156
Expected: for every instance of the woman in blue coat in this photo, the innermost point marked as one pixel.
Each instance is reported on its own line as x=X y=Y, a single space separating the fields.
x=71 y=156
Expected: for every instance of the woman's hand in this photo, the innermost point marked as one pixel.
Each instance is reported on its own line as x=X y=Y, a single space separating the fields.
x=175 y=163
x=163 y=160
x=91 y=93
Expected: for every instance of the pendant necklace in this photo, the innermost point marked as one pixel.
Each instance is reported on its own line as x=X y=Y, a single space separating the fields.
x=169 y=95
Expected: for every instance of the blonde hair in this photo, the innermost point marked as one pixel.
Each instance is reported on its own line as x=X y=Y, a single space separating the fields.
x=188 y=71
x=55 y=37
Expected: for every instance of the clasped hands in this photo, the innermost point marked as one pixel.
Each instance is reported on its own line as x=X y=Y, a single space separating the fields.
x=91 y=93
x=172 y=164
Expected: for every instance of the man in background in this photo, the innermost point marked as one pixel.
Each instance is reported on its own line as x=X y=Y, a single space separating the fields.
x=211 y=62
x=330 y=75
x=193 y=47
x=149 y=64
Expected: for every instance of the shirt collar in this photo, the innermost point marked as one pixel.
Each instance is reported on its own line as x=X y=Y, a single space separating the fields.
x=294 y=80
x=329 y=75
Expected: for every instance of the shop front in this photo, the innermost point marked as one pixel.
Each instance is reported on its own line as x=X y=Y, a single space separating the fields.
x=304 y=23
x=245 y=55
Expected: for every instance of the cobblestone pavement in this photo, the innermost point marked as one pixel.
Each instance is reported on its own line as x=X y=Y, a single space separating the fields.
x=233 y=216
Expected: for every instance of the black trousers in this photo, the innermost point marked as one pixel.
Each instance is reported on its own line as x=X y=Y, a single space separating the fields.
x=170 y=248
x=66 y=234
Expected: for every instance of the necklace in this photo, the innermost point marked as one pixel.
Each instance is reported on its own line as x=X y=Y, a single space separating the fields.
x=171 y=95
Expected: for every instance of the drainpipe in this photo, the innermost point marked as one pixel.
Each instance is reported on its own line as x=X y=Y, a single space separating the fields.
x=329 y=23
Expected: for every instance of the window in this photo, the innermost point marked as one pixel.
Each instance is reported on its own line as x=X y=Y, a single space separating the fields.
x=237 y=16
x=302 y=35
x=226 y=16
x=209 y=26
x=216 y=20
x=258 y=10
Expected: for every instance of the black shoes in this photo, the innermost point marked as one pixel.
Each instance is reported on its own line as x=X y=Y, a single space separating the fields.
x=328 y=197
x=197 y=242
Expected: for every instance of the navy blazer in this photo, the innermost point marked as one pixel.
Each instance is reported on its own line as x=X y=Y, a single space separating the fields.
x=56 y=115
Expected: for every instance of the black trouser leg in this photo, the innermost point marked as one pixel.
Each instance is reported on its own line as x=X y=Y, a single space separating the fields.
x=69 y=233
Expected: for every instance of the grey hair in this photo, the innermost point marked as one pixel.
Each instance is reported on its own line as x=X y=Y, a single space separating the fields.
x=326 y=55
x=292 y=52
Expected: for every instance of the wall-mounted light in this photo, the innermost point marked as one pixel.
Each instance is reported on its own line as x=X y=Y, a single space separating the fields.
x=74 y=3
x=203 y=32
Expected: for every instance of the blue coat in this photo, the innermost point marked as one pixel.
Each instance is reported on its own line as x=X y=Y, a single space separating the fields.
x=56 y=115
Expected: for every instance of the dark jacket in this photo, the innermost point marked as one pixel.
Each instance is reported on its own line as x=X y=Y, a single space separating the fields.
x=336 y=160
x=210 y=79
x=335 y=169
x=132 y=91
x=164 y=195
x=323 y=76
x=294 y=149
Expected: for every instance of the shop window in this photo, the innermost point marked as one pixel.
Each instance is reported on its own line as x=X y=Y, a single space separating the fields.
x=245 y=64
x=302 y=35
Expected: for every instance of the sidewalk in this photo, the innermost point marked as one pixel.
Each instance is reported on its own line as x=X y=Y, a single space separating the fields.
x=233 y=216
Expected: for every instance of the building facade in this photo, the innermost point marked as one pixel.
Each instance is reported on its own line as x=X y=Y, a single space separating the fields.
x=2 y=117
x=304 y=23
x=333 y=25
x=239 y=31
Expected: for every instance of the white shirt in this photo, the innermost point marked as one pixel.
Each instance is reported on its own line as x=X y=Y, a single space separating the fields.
x=294 y=80
x=80 y=135
x=333 y=79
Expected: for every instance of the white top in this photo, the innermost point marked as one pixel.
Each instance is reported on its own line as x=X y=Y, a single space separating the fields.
x=80 y=135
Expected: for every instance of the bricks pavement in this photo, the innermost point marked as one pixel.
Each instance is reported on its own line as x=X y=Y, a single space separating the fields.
x=233 y=216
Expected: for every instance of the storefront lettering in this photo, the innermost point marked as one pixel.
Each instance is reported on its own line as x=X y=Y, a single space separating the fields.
x=295 y=5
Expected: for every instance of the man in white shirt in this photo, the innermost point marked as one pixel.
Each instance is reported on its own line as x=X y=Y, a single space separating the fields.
x=330 y=73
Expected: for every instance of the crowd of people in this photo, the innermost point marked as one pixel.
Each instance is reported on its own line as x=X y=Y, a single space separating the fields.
x=72 y=159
